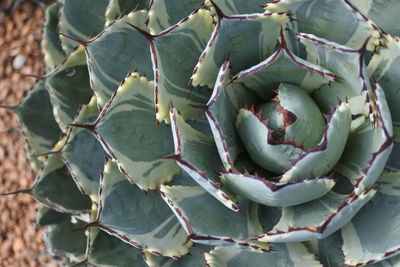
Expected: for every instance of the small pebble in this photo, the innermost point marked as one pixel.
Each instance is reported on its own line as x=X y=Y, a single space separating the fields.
x=19 y=61
x=18 y=244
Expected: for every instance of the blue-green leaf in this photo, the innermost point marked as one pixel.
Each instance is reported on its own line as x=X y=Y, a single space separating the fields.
x=141 y=219
x=373 y=234
x=127 y=125
x=288 y=255
x=209 y=222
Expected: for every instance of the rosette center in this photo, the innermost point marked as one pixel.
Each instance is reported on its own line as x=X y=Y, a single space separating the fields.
x=276 y=132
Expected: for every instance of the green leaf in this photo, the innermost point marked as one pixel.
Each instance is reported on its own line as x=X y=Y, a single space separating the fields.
x=270 y=193
x=383 y=13
x=208 y=222
x=196 y=153
x=288 y=255
x=81 y=19
x=275 y=68
x=127 y=50
x=246 y=39
x=328 y=151
x=221 y=112
x=235 y=7
x=46 y=216
x=373 y=234
x=329 y=250
x=55 y=188
x=303 y=128
x=256 y=138
x=51 y=44
x=117 y=8
x=69 y=87
x=83 y=154
x=165 y=13
x=391 y=262
x=175 y=53
x=63 y=239
x=37 y=120
x=138 y=218
x=108 y=251
x=368 y=147
x=193 y=259
x=382 y=68
x=316 y=219
x=320 y=18
x=348 y=65
x=126 y=125
x=393 y=163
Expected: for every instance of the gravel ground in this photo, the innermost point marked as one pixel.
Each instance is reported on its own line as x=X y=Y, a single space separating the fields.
x=20 y=241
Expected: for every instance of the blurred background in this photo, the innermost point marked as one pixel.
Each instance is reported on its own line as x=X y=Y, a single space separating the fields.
x=20 y=35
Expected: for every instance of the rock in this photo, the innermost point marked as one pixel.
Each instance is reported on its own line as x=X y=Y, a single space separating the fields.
x=19 y=61
x=18 y=244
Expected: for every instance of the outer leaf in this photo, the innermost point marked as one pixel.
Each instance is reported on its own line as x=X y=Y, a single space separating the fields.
x=221 y=111
x=197 y=155
x=64 y=240
x=165 y=13
x=274 y=70
x=289 y=254
x=383 y=13
x=368 y=147
x=126 y=49
x=126 y=125
x=142 y=220
x=347 y=64
x=55 y=188
x=391 y=262
x=209 y=222
x=373 y=233
x=329 y=250
x=393 y=163
x=46 y=216
x=316 y=219
x=117 y=8
x=51 y=44
x=269 y=193
x=108 y=251
x=81 y=19
x=175 y=52
x=193 y=259
x=235 y=7
x=247 y=39
x=69 y=87
x=83 y=154
x=382 y=68
x=320 y=18
x=37 y=120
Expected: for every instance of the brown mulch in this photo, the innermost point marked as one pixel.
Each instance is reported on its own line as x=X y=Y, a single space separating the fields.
x=20 y=241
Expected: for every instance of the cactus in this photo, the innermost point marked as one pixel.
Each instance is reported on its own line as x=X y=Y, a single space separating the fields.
x=218 y=133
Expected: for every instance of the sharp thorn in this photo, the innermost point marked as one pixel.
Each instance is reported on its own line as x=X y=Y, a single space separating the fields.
x=149 y=36
x=85 y=226
x=79 y=41
x=12 y=129
x=9 y=107
x=24 y=191
x=90 y=127
x=45 y=153
x=39 y=77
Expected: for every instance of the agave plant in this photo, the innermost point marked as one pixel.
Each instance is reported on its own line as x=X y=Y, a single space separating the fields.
x=218 y=133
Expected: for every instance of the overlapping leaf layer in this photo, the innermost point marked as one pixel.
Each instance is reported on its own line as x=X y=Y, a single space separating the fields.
x=218 y=133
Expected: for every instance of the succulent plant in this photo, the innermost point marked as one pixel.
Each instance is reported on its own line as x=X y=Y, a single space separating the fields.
x=225 y=133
